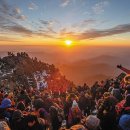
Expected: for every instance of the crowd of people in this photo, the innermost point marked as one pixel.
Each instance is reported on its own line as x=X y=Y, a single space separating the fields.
x=103 y=106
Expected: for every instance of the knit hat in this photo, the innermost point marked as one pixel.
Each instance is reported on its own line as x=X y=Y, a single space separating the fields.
x=74 y=104
x=92 y=122
x=124 y=122
x=5 y=103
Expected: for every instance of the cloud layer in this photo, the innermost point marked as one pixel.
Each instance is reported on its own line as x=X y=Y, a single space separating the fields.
x=92 y=34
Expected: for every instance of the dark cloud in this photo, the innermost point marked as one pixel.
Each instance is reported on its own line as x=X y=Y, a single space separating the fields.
x=48 y=26
x=85 y=23
x=89 y=21
x=4 y=7
x=19 y=29
x=91 y=34
x=9 y=12
x=47 y=23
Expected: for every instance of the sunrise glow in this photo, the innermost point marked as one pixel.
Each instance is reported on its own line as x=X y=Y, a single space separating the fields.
x=68 y=42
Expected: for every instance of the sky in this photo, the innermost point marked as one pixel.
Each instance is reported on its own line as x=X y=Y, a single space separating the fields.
x=51 y=22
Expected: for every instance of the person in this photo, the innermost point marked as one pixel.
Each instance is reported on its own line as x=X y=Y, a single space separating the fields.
x=6 y=102
x=83 y=102
x=125 y=116
x=55 y=122
x=107 y=114
x=78 y=127
x=24 y=97
x=92 y=123
x=18 y=121
x=35 y=123
x=75 y=114
x=3 y=123
x=116 y=91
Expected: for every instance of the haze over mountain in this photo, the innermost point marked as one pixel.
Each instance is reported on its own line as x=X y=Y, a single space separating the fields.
x=79 y=63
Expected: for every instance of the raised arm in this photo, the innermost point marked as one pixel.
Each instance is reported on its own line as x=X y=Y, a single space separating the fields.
x=123 y=68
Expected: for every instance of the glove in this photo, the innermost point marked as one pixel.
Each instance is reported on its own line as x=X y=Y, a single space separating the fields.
x=119 y=66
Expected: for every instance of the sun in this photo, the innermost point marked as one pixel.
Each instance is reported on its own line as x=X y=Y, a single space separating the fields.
x=68 y=42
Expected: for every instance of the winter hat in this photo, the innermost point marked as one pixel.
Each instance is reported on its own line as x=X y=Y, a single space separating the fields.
x=92 y=122
x=124 y=122
x=74 y=104
x=5 y=103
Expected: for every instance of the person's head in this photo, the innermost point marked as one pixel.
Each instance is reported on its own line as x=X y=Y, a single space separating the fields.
x=42 y=113
x=124 y=122
x=116 y=84
x=31 y=120
x=106 y=95
x=21 y=106
x=6 y=95
x=38 y=103
x=92 y=122
x=78 y=127
x=17 y=114
x=6 y=103
x=74 y=104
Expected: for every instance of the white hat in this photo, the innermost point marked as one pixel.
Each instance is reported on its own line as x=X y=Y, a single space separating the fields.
x=74 y=104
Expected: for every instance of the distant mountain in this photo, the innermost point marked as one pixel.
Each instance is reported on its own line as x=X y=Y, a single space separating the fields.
x=79 y=63
x=108 y=59
x=97 y=68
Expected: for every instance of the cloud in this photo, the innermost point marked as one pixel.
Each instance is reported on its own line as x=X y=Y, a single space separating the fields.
x=9 y=12
x=21 y=17
x=32 y=6
x=94 y=33
x=65 y=3
x=17 y=11
x=19 y=29
x=4 y=38
x=99 y=8
x=4 y=7
x=10 y=18
x=47 y=23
